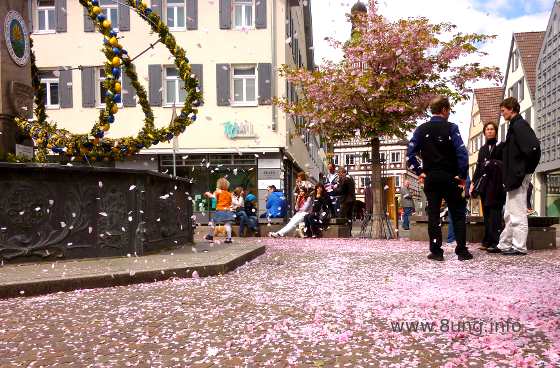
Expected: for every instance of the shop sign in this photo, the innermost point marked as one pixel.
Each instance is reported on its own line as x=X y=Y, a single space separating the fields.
x=234 y=129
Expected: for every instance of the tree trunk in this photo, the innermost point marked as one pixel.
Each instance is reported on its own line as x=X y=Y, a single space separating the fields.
x=378 y=211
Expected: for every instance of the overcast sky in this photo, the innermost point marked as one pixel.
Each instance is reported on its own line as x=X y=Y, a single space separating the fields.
x=497 y=17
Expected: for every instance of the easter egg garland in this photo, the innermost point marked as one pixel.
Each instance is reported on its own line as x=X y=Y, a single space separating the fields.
x=96 y=146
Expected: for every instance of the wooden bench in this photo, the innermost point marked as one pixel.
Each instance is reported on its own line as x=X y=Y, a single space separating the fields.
x=542 y=233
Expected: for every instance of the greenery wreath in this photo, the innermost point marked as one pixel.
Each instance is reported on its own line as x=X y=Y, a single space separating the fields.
x=95 y=145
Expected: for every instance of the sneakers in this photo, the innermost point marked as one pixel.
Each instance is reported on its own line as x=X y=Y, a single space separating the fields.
x=493 y=250
x=465 y=257
x=436 y=257
x=228 y=241
x=513 y=252
x=273 y=235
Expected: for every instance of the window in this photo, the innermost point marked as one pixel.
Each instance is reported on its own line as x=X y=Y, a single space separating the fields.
x=244 y=85
x=243 y=13
x=349 y=159
x=176 y=14
x=49 y=81
x=397 y=181
x=102 y=91
x=46 y=20
x=395 y=157
x=515 y=60
x=110 y=10
x=335 y=160
x=364 y=181
x=175 y=93
x=366 y=157
x=521 y=90
x=527 y=115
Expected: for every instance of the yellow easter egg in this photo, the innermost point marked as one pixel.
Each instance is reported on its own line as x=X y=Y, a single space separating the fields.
x=105 y=127
x=96 y=10
x=107 y=23
x=114 y=109
x=118 y=87
x=116 y=61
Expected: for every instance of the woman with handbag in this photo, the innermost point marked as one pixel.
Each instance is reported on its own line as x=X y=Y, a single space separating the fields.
x=488 y=185
x=321 y=208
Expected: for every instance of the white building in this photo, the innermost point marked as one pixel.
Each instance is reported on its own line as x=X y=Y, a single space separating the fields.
x=235 y=48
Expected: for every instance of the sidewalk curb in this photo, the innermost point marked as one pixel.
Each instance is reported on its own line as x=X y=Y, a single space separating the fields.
x=35 y=288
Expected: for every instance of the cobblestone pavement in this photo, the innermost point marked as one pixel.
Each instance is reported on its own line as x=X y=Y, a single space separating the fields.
x=320 y=303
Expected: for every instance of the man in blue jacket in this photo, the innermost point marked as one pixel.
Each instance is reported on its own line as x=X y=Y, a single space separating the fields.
x=275 y=204
x=444 y=171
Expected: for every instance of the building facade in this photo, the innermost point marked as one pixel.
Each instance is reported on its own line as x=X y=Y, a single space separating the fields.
x=235 y=48
x=355 y=156
x=485 y=109
x=548 y=114
x=520 y=82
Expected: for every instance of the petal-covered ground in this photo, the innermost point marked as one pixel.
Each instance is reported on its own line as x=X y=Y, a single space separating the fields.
x=316 y=303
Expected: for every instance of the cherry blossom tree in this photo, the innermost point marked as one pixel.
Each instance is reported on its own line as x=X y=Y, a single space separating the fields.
x=389 y=73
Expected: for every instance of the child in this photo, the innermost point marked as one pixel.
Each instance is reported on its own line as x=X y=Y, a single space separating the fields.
x=223 y=212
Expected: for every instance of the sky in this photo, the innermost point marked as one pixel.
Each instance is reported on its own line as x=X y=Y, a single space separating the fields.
x=498 y=17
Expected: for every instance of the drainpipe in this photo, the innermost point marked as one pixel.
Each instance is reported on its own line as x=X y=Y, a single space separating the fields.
x=274 y=79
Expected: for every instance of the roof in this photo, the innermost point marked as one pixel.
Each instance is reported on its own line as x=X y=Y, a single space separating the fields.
x=529 y=45
x=488 y=100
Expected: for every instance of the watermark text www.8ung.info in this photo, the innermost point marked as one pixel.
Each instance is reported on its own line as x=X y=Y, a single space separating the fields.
x=474 y=327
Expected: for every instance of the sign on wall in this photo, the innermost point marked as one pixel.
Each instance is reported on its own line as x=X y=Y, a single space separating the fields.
x=16 y=36
x=234 y=129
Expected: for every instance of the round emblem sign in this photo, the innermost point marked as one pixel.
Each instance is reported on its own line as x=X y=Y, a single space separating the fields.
x=17 y=37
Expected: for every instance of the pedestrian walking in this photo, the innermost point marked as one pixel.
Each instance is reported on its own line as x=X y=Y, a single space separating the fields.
x=521 y=155
x=407 y=205
x=488 y=185
x=223 y=214
x=444 y=171
x=346 y=190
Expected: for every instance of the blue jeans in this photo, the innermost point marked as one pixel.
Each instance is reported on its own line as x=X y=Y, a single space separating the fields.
x=450 y=230
x=406 y=217
x=243 y=221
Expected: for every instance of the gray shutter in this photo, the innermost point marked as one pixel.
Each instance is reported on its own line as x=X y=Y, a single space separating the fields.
x=65 y=89
x=124 y=18
x=260 y=14
x=225 y=14
x=156 y=7
x=127 y=92
x=88 y=86
x=192 y=14
x=197 y=71
x=265 y=84
x=61 y=11
x=223 y=84
x=30 y=14
x=88 y=24
x=155 y=77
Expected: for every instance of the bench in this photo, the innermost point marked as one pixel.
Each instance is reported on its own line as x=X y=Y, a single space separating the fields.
x=542 y=233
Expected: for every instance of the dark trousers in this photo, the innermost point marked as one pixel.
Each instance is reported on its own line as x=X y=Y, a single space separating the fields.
x=439 y=186
x=313 y=224
x=347 y=212
x=492 y=225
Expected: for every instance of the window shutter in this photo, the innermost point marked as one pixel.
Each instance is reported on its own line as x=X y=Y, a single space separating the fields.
x=225 y=14
x=155 y=75
x=197 y=70
x=223 y=84
x=127 y=92
x=65 y=89
x=88 y=24
x=156 y=8
x=124 y=18
x=60 y=10
x=88 y=86
x=265 y=85
x=260 y=14
x=192 y=14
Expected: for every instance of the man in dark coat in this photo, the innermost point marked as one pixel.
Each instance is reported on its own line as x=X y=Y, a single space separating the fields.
x=444 y=171
x=346 y=190
x=521 y=155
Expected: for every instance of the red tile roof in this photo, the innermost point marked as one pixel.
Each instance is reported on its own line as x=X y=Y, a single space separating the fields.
x=529 y=45
x=488 y=100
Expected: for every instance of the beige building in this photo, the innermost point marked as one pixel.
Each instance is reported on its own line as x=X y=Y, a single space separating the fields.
x=485 y=109
x=355 y=156
x=520 y=82
x=235 y=48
